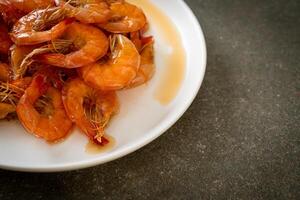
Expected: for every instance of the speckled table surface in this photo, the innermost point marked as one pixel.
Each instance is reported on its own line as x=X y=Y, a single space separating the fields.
x=239 y=140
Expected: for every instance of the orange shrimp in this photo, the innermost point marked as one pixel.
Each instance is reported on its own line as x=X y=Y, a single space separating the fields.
x=114 y=1
x=147 y=67
x=6 y=109
x=17 y=56
x=4 y=72
x=139 y=40
x=27 y=6
x=10 y=14
x=88 y=44
x=21 y=84
x=90 y=109
x=49 y=122
x=125 y=18
x=118 y=71
x=10 y=93
x=5 y=41
x=87 y=11
x=33 y=28
x=22 y=57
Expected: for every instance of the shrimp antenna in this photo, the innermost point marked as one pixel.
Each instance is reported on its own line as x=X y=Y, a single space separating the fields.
x=48 y=20
x=93 y=112
x=57 y=46
x=10 y=93
x=113 y=42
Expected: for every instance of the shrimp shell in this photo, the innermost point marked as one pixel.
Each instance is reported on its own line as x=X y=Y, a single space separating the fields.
x=87 y=11
x=118 y=71
x=26 y=32
x=51 y=126
x=90 y=45
x=5 y=41
x=125 y=18
x=90 y=109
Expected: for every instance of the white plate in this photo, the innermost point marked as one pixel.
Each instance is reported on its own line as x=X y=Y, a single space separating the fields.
x=140 y=121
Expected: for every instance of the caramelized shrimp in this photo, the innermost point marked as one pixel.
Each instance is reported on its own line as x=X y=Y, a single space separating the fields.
x=6 y=109
x=22 y=57
x=17 y=56
x=21 y=84
x=125 y=18
x=88 y=45
x=4 y=72
x=139 y=40
x=90 y=109
x=10 y=14
x=46 y=121
x=5 y=41
x=10 y=93
x=27 y=6
x=118 y=71
x=114 y=1
x=147 y=67
x=87 y=11
x=7 y=100
x=33 y=28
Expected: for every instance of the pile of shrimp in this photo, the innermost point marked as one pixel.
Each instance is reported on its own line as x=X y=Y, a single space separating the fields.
x=62 y=62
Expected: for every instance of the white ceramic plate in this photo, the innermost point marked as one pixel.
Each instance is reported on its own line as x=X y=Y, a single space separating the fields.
x=141 y=118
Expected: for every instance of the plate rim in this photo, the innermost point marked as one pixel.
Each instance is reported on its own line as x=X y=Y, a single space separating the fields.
x=151 y=136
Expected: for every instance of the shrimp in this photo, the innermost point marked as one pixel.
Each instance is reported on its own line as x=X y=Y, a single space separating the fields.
x=114 y=1
x=125 y=18
x=88 y=45
x=22 y=57
x=49 y=121
x=88 y=11
x=5 y=41
x=6 y=109
x=21 y=85
x=147 y=67
x=118 y=71
x=90 y=109
x=32 y=28
x=10 y=93
x=4 y=72
x=17 y=56
x=139 y=40
x=27 y=6
x=9 y=13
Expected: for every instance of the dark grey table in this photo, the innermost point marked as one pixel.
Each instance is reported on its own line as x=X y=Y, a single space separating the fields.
x=239 y=140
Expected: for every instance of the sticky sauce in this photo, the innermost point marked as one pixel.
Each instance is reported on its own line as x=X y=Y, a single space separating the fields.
x=93 y=149
x=173 y=61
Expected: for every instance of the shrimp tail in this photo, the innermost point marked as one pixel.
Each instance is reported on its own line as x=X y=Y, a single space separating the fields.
x=102 y=141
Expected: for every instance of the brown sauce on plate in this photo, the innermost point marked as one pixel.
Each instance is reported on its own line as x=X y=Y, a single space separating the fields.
x=92 y=148
x=174 y=62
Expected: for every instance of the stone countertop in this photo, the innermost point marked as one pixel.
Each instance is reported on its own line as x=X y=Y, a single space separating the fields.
x=239 y=140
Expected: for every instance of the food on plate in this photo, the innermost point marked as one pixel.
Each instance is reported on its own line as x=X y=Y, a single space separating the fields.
x=39 y=26
x=5 y=41
x=62 y=63
x=125 y=18
x=41 y=110
x=4 y=72
x=87 y=45
x=116 y=71
x=87 y=11
x=90 y=109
